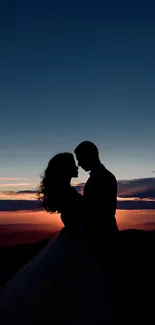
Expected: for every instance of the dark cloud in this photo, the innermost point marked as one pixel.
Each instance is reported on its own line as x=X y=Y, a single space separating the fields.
x=26 y=192
x=139 y=188
x=136 y=205
x=15 y=205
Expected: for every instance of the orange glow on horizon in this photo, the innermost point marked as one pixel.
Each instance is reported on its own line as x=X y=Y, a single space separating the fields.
x=30 y=217
x=17 y=227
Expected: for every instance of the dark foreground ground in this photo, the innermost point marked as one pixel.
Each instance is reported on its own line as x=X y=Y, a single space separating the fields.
x=131 y=279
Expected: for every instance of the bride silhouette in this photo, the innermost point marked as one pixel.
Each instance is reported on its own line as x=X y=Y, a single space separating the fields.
x=56 y=193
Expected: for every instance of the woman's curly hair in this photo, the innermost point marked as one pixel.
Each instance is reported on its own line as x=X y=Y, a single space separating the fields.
x=51 y=188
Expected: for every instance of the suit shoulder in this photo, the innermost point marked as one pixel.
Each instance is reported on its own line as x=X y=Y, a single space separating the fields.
x=111 y=176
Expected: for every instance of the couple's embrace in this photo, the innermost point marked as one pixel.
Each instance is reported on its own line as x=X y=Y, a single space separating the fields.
x=93 y=212
x=64 y=283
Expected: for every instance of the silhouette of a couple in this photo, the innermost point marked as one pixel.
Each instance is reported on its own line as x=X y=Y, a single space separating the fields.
x=64 y=283
x=92 y=213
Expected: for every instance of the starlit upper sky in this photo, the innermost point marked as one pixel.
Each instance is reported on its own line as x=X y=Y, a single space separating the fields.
x=73 y=71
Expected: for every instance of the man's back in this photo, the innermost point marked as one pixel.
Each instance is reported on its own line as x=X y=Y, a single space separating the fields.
x=100 y=201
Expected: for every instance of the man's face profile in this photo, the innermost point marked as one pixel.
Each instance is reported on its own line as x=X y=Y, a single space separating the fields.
x=83 y=161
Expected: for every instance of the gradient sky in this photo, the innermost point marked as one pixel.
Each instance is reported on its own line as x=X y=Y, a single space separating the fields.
x=72 y=71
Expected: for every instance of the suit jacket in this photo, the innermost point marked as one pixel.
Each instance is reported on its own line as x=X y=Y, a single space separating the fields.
x=100 y=201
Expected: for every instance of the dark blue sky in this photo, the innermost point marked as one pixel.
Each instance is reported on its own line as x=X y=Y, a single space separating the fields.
x=72 y=71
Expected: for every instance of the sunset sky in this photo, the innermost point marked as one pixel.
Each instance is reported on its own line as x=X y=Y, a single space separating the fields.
x=73 y=71
x=76 y=70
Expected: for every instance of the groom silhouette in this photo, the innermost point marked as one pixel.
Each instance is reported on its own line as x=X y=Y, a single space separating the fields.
x=100 y=193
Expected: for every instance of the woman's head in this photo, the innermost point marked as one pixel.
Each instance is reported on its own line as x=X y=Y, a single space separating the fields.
x=61 y=168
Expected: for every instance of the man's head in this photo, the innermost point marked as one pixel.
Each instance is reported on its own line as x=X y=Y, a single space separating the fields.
x=87 y=155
